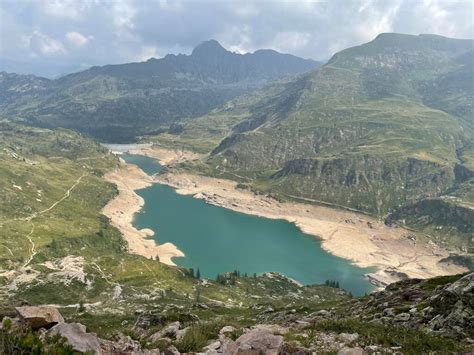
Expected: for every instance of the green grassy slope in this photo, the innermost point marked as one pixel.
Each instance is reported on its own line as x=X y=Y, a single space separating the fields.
x=380 y=126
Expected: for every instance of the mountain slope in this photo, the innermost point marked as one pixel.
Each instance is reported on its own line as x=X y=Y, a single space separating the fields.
x=380 y=126
x=117 y=102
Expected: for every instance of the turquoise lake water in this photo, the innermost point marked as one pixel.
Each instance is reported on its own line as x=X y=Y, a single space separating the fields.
x=216 y=240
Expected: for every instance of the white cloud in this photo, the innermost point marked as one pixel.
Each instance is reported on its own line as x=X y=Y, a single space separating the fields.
x=290 y=41
x=98 y=32
x=76 y=39
x=148 y=52
x=44 y=45
x=69 y=9
x=375 y=21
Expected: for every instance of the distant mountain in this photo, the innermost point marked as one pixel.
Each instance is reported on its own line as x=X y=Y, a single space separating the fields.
x=117 y=102
x=380 y=126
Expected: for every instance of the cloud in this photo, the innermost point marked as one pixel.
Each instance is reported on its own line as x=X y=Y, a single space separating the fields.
x=77 y=34
x=76 y=39
x=44 y=45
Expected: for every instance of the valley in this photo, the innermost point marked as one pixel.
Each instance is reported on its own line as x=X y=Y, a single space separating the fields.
x=392 y=250
x=321 y=207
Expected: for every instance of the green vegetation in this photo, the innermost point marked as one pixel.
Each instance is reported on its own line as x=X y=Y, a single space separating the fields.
x=410 y=341
x=380 y=127
x=25 y=341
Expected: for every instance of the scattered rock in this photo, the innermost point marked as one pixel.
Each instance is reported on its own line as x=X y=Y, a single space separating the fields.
x=171 y=350
x=348 y=338
x=213 y=346
x=271 y=328
x=227 y=329
x=122 y=345
x=402 y=317
x=39 y=317
x=169 y=331
x=388 y=312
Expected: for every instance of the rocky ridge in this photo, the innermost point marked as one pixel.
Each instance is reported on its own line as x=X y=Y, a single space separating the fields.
x=407 y=317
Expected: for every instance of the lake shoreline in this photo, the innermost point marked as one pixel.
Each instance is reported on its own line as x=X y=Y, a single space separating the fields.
x=122 y=209
x=365 y=241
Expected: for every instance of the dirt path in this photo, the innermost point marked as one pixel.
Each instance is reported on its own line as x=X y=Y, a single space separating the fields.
x=66 y=195
x=33 y=247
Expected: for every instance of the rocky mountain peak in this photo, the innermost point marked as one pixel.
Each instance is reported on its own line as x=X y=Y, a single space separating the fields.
x=210 y=47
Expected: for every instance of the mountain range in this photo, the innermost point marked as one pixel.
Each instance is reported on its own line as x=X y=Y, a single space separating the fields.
x=118 y=102
x=385 y=128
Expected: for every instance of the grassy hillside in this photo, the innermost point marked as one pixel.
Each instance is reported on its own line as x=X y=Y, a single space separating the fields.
x=381 y=126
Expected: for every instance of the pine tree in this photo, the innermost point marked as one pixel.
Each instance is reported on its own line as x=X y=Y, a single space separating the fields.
x=198 y=274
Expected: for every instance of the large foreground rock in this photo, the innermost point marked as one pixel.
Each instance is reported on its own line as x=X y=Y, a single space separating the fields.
x=256 y=342
x=39 y=317
x=77 y=337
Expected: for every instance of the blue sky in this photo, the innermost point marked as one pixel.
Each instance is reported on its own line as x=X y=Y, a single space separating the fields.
x=54 y=37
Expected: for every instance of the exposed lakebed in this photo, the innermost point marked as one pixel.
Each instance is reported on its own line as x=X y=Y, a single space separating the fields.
x=217 y=240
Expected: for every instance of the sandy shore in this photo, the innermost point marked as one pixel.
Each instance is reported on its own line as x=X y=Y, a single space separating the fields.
x=122 y=209
x=165 y=156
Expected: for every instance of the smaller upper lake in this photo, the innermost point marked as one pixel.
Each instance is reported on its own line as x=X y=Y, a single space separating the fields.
x=217 y=240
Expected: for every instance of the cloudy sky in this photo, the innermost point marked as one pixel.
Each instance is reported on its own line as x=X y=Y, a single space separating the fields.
x=54 y=37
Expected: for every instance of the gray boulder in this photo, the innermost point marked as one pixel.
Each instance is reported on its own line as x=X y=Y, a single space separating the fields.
x=256 y=342
x=39 y=317
x=77 y=337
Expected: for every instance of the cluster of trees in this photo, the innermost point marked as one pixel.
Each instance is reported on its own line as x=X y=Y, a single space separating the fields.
x=229 y=278
x=332 y=283
x=224 y=279
x=196 y=275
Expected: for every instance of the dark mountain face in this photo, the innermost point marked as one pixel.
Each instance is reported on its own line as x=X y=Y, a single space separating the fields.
x=117 y=102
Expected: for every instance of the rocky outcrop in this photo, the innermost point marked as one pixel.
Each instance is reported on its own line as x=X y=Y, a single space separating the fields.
x=443 y=213
x=446 y=310
x=77 y=337
x=364 y=182
x=172 y=331
x=255 y=342
x=453 y=308
x=39 y=317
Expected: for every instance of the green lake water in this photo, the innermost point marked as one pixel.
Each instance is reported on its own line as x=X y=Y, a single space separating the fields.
x=217 y=240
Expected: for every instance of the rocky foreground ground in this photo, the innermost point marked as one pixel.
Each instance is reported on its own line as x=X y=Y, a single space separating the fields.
x=409 y=317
